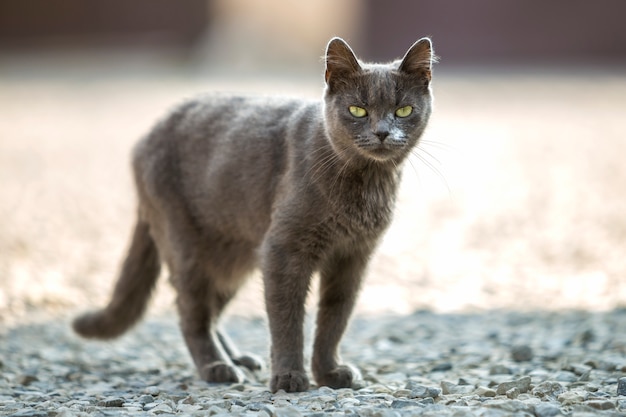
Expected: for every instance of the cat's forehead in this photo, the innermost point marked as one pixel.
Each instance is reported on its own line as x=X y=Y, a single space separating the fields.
x=381 y=84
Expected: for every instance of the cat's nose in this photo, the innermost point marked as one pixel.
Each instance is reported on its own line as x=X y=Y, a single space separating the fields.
x=382 y=134
x=381 y=129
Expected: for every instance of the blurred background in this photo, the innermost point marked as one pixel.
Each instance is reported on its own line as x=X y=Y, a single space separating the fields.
x=515 y=198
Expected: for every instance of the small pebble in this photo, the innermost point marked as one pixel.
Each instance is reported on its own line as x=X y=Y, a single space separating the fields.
x=26 y=379
x=521 y=353
x=621 y=386
x=404 y=404
x=600 y=404
x=445 y=366
x=402 y=393
x=513 y=393
x=421 y=391
x=499 y=370
x=451 y=388
x=548 y=389
x=522 y=384
x=485 y=392
x=145 y=399
x=547 y=410
x=154 y=391
x=565 y=376
x=572 y=397
x=111 y=402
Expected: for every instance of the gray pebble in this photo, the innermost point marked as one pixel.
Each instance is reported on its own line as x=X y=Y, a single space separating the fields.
x=485 y=392
x=509 y=406
x=621 y=386
x=30 y=413
x=499 y=370
x=26 y=379
x=522 y=384
x=565 y=376
x=548 y=389
x=600 y=404
x=288 y=412
x=269 y=409
x=521 y=353
x=585 y=337
x=572 y=397
x=421 y=391
x=513 y=393
x=145 y=399
x=162 y=409
x=150 y=406
x=602 y=365
x=547 y=410
x=445 y=366
x=404 y=404
x=111 y=402
x=402 y=393
x=154 y=391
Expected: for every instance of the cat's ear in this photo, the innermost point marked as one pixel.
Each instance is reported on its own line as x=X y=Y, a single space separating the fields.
x=418 y=60
x=340 y=60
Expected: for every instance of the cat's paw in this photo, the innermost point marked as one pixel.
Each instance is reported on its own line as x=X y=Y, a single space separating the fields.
x=219 y=371
x=339 y=377
x=250 y=361
x=291 y=381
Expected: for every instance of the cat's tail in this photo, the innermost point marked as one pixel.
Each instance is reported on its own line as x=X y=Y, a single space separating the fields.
x=132 y=291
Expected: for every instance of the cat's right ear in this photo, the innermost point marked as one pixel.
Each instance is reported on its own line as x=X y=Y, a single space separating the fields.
x=419 y=60
x=340 y=60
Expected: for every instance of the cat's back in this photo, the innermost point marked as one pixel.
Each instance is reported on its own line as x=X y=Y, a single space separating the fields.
x=220 y=153
x=216 y=130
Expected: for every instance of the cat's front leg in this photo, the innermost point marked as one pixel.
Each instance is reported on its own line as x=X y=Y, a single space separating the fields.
x=339 y=287
x=286 y=275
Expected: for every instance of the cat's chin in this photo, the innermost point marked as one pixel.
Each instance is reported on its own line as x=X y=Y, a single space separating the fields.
x=381 y=154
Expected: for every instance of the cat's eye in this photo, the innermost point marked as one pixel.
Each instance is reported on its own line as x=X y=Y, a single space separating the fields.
x=357 y=111
x=404 y=111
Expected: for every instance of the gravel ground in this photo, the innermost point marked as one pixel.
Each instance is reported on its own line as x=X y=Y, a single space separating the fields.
x=425 y=364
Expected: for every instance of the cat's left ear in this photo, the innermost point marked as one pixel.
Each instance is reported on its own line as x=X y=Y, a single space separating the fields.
x=418 y=60
x=340 y=60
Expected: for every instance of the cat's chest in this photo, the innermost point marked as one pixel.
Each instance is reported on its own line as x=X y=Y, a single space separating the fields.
x=362 y=208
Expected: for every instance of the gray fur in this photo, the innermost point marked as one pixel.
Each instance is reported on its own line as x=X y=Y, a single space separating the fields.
x=228 y=184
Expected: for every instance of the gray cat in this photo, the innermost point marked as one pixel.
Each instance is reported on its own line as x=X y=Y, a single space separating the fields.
x=227 y=184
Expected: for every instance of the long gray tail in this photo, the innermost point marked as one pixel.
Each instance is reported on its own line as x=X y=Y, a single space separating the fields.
x=132 y=291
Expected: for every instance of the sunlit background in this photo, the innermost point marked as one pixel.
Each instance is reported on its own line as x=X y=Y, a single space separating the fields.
x=516 y=198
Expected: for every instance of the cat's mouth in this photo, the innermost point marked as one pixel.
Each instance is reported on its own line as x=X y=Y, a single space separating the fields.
x=381 y=151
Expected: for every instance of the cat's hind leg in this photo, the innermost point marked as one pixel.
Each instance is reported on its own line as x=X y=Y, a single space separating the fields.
x=204 y=287
x=199 y=307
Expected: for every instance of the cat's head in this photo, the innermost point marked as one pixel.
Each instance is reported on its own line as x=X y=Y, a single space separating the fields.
x=377 y=112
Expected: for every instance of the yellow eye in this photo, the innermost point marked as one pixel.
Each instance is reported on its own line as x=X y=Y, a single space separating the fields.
x=357 y=111
x=404 y=111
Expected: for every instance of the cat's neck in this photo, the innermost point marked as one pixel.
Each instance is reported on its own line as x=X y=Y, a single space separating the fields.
x=355 y=180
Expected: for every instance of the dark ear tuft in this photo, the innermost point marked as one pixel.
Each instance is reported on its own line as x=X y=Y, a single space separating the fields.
x=418 y=60
x=340 y=60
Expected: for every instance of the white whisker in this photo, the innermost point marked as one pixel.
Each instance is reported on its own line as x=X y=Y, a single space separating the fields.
x=431 y=166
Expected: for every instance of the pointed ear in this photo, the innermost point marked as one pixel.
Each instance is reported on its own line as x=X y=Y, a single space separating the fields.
x=418 y=60
x=340 y=60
